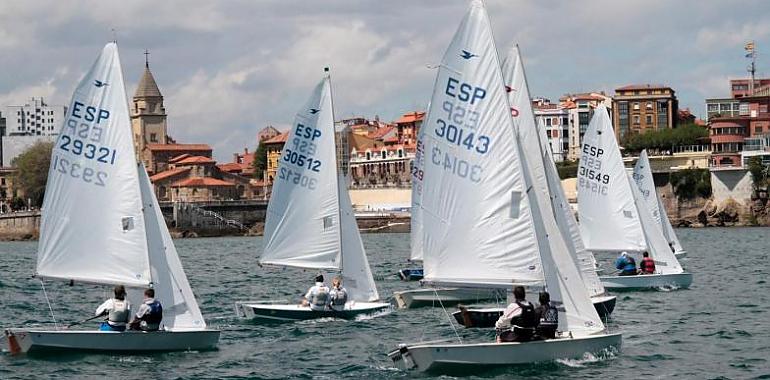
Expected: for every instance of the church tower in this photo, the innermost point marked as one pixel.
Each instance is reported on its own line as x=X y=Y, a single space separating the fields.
x=148 y=116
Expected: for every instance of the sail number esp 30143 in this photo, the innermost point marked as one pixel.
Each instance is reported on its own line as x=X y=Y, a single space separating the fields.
x=459 y=127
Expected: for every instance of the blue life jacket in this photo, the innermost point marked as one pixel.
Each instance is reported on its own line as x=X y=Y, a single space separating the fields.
x=155 y=315
x=626 y=264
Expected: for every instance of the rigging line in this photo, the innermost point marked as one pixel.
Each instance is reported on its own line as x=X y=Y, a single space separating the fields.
x=55 y=324
x=449 y=317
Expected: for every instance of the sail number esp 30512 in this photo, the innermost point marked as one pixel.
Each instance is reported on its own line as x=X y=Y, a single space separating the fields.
x=301 y=155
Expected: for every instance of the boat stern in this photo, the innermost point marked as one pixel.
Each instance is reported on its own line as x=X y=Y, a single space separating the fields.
x=19 y=341
x=402 y=358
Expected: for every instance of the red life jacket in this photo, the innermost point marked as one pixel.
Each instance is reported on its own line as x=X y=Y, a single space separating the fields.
x=647 y=265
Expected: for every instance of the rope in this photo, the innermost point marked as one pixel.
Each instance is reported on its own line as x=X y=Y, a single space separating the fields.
x=448 y=316
x=56 y=324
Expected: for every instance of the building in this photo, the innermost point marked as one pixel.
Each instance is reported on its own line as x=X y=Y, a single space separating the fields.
x=35 y=118
x=267 y=133
x=740 y=88
x=732 y=135
x=243 y=164
x=156 y=157
x=580 y=108
x=148 y=115
x=554 y=120
x=408 y=125
x=190 y=178
x=273 y=148
x=642 y=108
x=727 y=107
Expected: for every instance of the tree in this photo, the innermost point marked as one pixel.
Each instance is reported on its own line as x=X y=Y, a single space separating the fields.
x=666 y=139
x=32 y=171
x=260 y=161
x=758 y=171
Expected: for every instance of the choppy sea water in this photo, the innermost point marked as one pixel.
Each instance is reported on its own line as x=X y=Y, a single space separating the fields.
x=719 y=328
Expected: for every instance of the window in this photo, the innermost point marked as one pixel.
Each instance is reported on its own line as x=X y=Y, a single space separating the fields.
x=548 y=122
x=649 y=105
x=555 y=121
x=713 y=107
x=636 y=119
x=153 y=137
x=636 y=106
x=649 y=120
x=564 y=121
x=758 y=129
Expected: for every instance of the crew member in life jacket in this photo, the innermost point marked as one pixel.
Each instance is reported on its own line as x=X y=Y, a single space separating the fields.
x=626 y=264
x=647 y=265
x=117 y=309
x=549 y=317
x=519 y=320
x=317 y=297
x=150 y=313
x=338 y=295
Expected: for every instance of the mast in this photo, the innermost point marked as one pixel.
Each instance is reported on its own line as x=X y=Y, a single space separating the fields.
x=336 y=170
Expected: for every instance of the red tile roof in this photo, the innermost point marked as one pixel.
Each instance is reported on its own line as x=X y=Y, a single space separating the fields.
x=168 y=173
x=379 y=132
x=179 y=158
x=231 y=167
x=195 y=160
x=178 y=147
x=411 y=117
x=278 y=139
x=201 y=182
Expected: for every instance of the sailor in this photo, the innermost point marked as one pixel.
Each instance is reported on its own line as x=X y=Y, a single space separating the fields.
x=117 y=309
x=150 y=313
x=647 y=265
x=338 y=295
x=549 y=317
x=317 y=296
x=519 y=320
x=671 y=247
x=626 y=264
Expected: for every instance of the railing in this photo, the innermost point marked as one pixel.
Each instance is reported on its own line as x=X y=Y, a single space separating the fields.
x=218 y=217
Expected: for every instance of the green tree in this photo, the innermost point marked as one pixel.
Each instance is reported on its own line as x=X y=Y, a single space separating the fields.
x=260 y=161
x=665 y=139
x=567 y=169
x=691 y=183
x=758 y=172
x=32 y=171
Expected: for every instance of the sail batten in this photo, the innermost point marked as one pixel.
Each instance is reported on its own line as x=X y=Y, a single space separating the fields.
x=92 y=228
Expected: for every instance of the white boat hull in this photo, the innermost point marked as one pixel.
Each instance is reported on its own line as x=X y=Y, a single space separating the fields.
x=436 y=357
x=445 y=296
x=30 y=341
x=647 y=281
x=294 y=312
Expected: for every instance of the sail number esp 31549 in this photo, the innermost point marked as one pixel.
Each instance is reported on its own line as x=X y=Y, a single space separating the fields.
x=590 y=176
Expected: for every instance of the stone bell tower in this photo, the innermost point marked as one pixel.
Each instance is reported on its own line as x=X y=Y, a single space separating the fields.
x=148 y=116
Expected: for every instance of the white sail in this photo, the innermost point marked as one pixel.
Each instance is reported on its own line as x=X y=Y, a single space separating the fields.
x=668 y=229
x=92 y=228
x=180 y=309
x=303 y=217
x=643 y=177
x=562 y=278
x=608 y=217
x=418 y=165
x=356 y=274
x=541 y=164
x=657 y=245
x=477 y=222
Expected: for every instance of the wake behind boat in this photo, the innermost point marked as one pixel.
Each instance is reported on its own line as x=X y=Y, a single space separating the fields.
x=101 y=224
x=310 y=222
x=503 y=235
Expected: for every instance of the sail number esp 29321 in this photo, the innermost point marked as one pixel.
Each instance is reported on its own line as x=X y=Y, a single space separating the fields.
x=457 y=126
x=80 y=148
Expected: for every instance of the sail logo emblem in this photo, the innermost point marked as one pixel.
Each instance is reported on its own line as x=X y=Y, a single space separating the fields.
x=509 y=89
x=314 y=111
x=100 y=84
x=467 y=55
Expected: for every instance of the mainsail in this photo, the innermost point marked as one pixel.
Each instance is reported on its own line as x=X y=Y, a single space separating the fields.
x=303 y=217
x=541 y=164
x=609 y=220
x=417 y=169
x=477 y=222
x=92 y=228
x=180 y=309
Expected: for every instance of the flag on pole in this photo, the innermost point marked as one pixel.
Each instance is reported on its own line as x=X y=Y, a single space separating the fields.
x=749 y=47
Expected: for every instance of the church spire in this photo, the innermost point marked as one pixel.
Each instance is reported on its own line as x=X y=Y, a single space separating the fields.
x=147 y=87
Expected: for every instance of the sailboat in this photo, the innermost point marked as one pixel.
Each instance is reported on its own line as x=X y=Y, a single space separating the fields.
x=613 y=214
x=310 y=222
x=643 y=177
x=547 y=180
x=481 y=221
x=101 y=224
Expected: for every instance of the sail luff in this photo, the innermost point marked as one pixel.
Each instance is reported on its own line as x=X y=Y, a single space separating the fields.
x=92 y=166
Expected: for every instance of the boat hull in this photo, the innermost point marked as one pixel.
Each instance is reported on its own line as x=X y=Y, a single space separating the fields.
x=438 y=357
x=30 y=341
x=411 y=274
x=445 y=296
x=647 y=281
x=486 y=317
x=293 y=312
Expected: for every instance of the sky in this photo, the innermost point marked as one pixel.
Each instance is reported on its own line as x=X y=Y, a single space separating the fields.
x=229 y=68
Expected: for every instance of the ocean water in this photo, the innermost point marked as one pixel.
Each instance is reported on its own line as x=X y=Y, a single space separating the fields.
x=717 y=329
